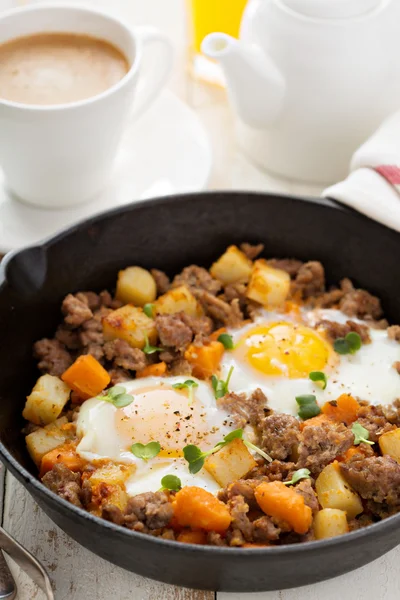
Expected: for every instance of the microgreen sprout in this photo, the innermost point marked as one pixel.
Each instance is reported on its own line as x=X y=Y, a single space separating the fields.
x=171 y=482
x=117 y=396
x=146 y=451
x=219 y=386
x=297 y=476
x=148 y=349
x=360 y=434
x=189 y=385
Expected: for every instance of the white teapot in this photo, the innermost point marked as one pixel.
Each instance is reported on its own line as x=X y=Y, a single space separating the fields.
x=310 y=80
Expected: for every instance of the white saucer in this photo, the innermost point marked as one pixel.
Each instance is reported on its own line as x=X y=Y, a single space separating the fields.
x=166 y=152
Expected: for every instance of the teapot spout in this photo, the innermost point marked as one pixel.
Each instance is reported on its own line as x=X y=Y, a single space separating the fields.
x=255 y=85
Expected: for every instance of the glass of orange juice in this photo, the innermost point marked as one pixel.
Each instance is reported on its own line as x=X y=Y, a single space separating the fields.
x=207 y=16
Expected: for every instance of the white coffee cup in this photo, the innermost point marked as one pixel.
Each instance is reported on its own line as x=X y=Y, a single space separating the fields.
x=60 y=155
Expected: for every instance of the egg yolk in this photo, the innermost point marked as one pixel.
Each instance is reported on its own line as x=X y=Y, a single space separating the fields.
x=165 y=415
x=285 y=349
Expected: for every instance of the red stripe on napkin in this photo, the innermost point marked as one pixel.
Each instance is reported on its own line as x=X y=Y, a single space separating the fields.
x=389 y=172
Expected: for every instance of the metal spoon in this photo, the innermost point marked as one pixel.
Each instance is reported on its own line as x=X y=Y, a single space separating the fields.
x=8 y=589
x=27 y=562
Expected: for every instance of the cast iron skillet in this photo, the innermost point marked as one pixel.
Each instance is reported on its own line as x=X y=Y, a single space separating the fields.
x=169 y=234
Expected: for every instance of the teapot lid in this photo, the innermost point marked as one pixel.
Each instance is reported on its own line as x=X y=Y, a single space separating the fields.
x=332 y=9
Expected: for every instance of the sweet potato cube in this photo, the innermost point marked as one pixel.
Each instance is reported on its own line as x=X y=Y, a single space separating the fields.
x=190 y=536
x=155 y=370
x=205 y=359
x=195 y=507
x=46 y=401
x=343 y=410
x=285 y=504
x=86 y=377
x=233 y=266
x=268 y=286
x=232 y=462
x=131 y=324
x=66 y=455
x=389 y=444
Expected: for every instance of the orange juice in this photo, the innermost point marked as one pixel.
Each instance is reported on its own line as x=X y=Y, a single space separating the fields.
x=215 y=15
x=208 y=16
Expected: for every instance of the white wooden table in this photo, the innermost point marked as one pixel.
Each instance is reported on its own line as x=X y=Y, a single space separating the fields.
x=78 y=574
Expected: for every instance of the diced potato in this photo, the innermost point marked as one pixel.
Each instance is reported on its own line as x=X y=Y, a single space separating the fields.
x=389 y=443
x=179 y=299
x=232 y=462
x=104 y=494
x=46 y=401
x=233 y=266
x=268 y=286
x=45 y=439
x=136 y=286
x=112 y=474
x=329 y=523
x=334 y=492
x=131 y=324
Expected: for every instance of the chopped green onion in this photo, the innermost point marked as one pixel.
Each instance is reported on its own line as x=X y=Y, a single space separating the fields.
x=226 y=340
x=354 y=341
x=319 y=377
x=349 y=344
x=148 y=310
x=308 y=406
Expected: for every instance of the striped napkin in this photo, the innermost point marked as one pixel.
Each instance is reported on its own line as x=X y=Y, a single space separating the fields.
x=373 y=186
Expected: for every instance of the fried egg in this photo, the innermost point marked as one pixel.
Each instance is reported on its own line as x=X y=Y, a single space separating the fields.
x=277 y=352
x=159 y=412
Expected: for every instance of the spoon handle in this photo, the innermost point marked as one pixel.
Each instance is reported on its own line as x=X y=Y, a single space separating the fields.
x=27 y=562
x=8 y=589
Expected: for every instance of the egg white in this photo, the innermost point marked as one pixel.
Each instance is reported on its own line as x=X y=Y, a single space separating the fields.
x=148 y=476
x=97 y=426
x=368 y=374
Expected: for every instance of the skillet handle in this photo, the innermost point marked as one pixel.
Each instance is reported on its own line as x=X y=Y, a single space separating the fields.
x=28 y=272
x=328 y=201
